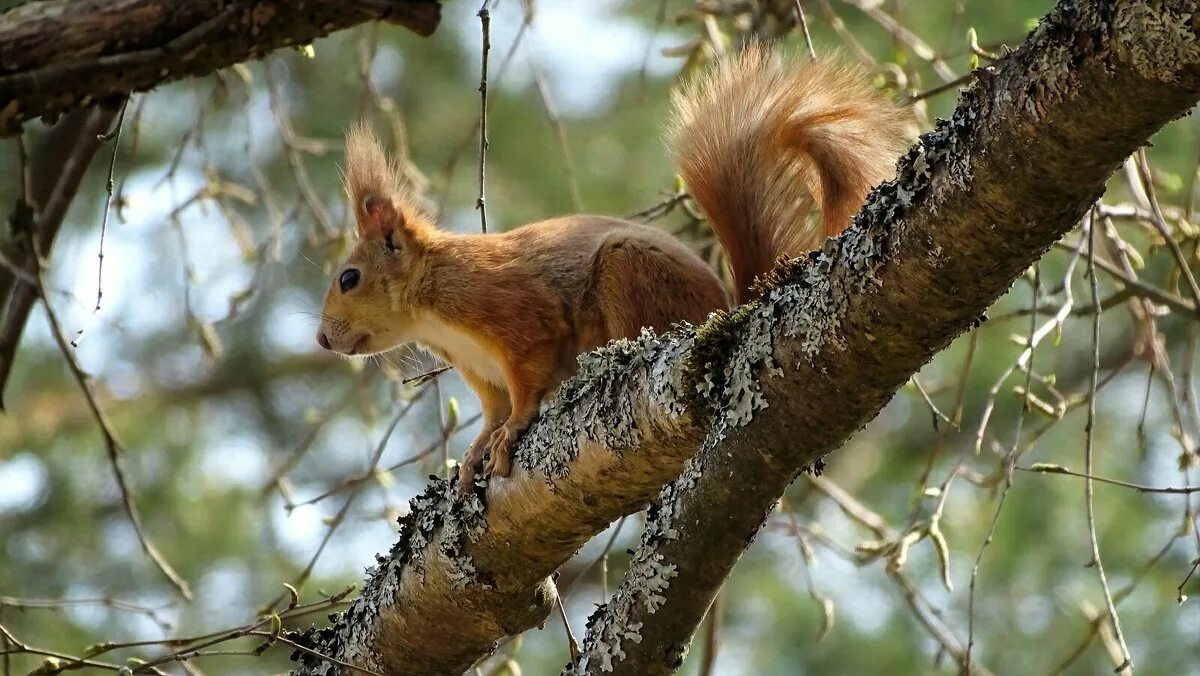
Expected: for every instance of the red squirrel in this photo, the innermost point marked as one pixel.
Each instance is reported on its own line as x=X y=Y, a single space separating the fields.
x=760 y=143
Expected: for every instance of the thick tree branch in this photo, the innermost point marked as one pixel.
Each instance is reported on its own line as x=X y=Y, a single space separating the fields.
x=56 y=55
x=781 y=381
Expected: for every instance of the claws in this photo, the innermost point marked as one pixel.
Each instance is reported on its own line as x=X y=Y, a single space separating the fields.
x=492 y=455
x=499 y=447
x=466 y=475
x=471 y=464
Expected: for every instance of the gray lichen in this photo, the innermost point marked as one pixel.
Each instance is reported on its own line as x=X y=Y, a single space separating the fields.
x=648 y=577
x=608 y=400
x=1158 y=37
x=351 y=636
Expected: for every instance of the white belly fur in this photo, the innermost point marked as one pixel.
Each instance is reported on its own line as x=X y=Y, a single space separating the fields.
x=457 y=346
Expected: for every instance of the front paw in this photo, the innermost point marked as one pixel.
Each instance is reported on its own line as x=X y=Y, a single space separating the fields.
x=469 y=468
x=499 y=447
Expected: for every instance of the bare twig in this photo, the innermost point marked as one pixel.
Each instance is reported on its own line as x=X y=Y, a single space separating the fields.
x=560 y=133
x=115 y=137
x=338 y=518
x=572 y=644
x=602 y=559
x=1007 y=464
x=428 y=375
x=1127 y=665
x=812 y=53
x=937 y=413
x=1042 y=468
x=485 y=22
x=711 y=641
x=1160 y=223
x=111 y=446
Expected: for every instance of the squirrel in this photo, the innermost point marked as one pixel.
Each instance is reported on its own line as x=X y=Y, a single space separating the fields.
x=760 y=143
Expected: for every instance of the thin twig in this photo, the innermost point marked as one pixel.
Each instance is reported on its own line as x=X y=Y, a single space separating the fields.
x=316 y=654
x=22 y=648
x=660 y=17
x=659 y=210
x=1008 y=463
x=1042 y=468
x=256 y=629
x=485 y=22
x=807 y=558
x=53 y=186
x=428 y=375
x=711 y=633
x=361 y=479
x=463 y=143
x=937 y=413
x=305 y=444
x=442 y=427
x=572 y=644
x=1127 y=665
x=602 y=559
x=6 y=644
x=338 y=518
x=111 y=446
x=944 y=87
x=1054 y=322
x=560 y=133
x=1160 y=223
x=115 y=137
x=1180 y=595
x=812 y=53
x=1141 y=289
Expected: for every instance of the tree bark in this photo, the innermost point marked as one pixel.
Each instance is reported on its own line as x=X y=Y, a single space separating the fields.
x=778 y=383
x=57 y=55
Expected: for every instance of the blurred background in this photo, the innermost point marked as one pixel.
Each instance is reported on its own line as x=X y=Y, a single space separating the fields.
x=248 y=451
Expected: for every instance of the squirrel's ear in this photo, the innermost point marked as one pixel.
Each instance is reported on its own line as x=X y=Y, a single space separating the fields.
x=371 y=180
x=378 y=218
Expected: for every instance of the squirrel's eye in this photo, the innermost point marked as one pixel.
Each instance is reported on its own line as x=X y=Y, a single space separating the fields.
x=349 y=279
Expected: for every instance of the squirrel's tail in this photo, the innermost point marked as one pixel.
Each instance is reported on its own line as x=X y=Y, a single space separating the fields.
x=760 y=142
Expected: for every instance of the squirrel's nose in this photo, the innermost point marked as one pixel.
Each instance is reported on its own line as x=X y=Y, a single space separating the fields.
x=322 y=339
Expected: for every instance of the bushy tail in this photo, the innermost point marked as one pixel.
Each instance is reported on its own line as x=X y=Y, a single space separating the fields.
x=761 y=142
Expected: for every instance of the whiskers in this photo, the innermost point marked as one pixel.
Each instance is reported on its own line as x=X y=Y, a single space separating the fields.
x=406 y=359
x=319 y=316
x=312 y=262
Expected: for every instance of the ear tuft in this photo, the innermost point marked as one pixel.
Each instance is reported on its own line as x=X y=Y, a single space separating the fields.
x=371 y=179
x=375 y=187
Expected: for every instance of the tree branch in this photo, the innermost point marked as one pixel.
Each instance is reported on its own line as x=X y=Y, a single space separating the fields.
x=57 y=55
x=835 y=334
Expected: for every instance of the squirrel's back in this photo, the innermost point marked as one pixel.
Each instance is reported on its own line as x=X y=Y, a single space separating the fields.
x=761 y=141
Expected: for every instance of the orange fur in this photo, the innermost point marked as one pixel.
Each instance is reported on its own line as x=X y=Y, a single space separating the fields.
x=761 y=142
x=759 y=145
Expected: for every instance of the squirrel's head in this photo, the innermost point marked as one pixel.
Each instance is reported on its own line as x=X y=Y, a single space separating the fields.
x=369 y=305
